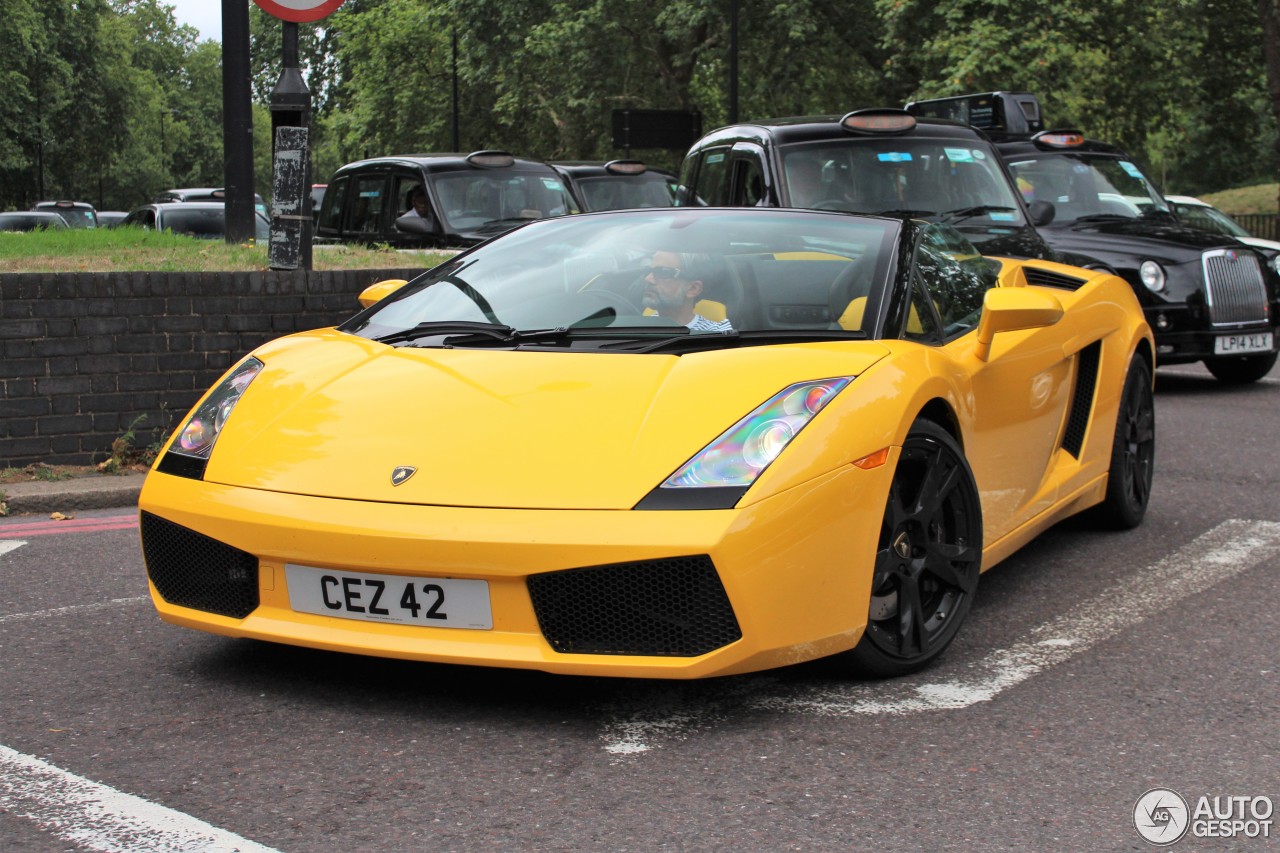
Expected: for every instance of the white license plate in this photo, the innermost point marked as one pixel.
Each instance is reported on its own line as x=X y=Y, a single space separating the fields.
x=395 y=599
x=1233 y=344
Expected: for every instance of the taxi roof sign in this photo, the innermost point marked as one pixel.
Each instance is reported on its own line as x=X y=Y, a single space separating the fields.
x=1012 y=113
x=881 y=121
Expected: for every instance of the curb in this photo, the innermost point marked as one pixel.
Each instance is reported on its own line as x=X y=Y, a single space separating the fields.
x=106 y=491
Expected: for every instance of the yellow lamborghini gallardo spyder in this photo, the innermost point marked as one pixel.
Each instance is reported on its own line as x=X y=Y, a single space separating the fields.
x=660 y=443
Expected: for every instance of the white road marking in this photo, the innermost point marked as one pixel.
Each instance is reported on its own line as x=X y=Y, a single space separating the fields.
x=100 y=818
x=7 y=545
x=74 y=608
x=1227 y=550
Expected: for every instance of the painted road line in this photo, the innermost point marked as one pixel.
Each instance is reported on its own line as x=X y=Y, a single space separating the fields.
x=97 y=817
x=1227 y=550
x=7 y=545
x=83 y=525
x=73 y=609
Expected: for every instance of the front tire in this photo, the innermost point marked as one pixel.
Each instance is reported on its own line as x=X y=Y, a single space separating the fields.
x=1133 y=452
x=928 y=558
x=1241 y=369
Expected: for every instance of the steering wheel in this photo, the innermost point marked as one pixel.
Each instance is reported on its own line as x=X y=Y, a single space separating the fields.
x=613 y=298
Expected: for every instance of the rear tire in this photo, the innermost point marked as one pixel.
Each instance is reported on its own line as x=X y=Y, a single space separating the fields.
x=1132 y=454
x=928 y=558
x=1241 y=369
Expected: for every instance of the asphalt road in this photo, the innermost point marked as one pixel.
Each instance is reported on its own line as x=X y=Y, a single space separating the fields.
x=1093 y=668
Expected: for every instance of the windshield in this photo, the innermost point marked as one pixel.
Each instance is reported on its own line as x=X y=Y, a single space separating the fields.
x=658 y=273
x=206 y=223
x=479 y=200
x=616 y=192
x=1081 y=186
x=76 y=217
x=936 y=179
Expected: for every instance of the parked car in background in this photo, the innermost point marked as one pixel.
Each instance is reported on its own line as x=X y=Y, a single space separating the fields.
x=208 y=194
x=203 y=219
x=1208 y=297
x=877 y=161
x=465 y=199
x=31 y=220
x=111 y=218
x=617 y=184
x=77 y=214
x=1206 y=217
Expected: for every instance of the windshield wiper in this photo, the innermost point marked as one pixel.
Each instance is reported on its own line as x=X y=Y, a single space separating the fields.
x=428 y=328
x=1102 y=217
x=508 y=220
x=976 y=210
x=587 y=324
x=906 y=211
x=712 y=340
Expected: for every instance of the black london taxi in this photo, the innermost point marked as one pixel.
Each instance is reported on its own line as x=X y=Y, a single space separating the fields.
x=439 y=200
x=77 y=214
x=617 y=184
x=881 y=161
x=1208 y=297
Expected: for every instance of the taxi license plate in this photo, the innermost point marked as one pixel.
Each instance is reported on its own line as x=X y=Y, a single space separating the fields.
x=394 y=599
x=1233 y=344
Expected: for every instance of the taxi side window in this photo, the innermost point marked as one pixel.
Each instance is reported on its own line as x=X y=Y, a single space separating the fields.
x=334 y=196
x=366 y=210
x=713 y=177
x=748 y=182
x=955 y=277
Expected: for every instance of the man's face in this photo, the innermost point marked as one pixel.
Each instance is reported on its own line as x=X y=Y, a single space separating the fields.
x=420 y=203
x=667 y=289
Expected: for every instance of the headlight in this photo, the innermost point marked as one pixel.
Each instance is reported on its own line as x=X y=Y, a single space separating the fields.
x=740 y=454
x=198 y=434
x=1152 y=276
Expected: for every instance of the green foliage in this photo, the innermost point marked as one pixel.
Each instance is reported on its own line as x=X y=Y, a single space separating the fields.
x=111 y=101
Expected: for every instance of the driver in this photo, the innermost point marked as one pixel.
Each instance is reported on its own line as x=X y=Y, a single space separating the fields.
x=673 y=287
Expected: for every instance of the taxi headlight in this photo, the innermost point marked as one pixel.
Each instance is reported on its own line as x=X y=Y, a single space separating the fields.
x=1152 y=275
x=207 y=421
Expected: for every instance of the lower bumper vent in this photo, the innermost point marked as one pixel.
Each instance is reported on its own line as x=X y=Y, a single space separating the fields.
x=192 y=570
x=674 y=607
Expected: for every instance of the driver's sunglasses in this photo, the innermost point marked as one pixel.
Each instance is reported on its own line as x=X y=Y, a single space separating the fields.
x=664 y=272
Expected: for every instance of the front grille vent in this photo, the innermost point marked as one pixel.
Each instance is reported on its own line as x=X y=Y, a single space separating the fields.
x=192 y=570
x=1234 y=288
x=673 y=607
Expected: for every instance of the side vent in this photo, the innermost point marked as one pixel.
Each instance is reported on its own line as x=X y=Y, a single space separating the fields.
x=1040 y=277
x=1082 y=401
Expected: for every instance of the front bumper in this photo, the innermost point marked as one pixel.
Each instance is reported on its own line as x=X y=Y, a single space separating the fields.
x=795 y=568
x=1183 y=336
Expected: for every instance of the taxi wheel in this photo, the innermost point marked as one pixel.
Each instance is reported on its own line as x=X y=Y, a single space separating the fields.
x=1241 y=369
x=1132 y=453
x=928 y=558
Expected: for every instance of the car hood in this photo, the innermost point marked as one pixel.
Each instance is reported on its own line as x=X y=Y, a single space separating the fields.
x=334 y=415
x=1135 y=239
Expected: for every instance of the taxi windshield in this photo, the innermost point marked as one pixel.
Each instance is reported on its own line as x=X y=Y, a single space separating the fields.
x=616 y=192
x=478 y=200
x=1083 y=187
x=645 y=273
x=946 y=180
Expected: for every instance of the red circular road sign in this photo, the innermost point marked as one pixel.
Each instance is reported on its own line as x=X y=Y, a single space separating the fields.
x=298 y=11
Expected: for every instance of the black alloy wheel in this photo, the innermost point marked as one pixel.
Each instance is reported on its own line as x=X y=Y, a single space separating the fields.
x=1133 y=453
x=928 y=558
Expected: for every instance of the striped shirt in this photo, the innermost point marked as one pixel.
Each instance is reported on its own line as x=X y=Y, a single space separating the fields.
x=702 y=324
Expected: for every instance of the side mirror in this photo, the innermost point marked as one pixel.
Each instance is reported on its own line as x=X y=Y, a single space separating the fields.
x=380 y=291
x=1011 y=309
x=1042 y=213
x=414 y=225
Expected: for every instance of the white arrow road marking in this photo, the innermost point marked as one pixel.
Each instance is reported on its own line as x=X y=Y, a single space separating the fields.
x=1225 y=551
x=100 y=818
x=7 y=545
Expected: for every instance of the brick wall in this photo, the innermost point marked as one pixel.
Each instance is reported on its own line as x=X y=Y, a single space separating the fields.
x=83 y=355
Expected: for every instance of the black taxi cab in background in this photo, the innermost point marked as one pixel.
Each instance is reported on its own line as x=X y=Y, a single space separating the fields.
x=878 y=161
x=77 y=214
x=1208 y=297
x=617 y=184
x=439 y=200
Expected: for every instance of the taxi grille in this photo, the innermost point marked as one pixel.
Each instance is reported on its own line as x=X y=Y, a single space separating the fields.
x=673 y=607
x=191 y=570
x=1234 y=288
